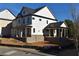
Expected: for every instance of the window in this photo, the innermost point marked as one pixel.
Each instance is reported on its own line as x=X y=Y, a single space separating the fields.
x=19 y=21
x=23 y=21
x=47 y=21
x=28 y=32
x=33 y=30
x=39 y=19
x=28 y=20
x=33 y=18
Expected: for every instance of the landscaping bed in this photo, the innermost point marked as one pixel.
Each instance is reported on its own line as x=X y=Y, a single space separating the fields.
x=14 y=42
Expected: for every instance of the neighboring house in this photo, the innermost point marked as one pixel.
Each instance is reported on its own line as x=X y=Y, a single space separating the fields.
x=34 y=25
x=6 y=17
x=6 y=31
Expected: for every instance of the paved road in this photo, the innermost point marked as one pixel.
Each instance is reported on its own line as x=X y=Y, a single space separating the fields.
x=12 y=51
x=63 y=52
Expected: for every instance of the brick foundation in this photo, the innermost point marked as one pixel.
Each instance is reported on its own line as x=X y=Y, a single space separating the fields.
x=35 y=38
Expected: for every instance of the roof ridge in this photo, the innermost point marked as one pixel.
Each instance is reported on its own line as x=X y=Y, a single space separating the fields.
x=37 y=9
x=27 y=7
x=1 y=10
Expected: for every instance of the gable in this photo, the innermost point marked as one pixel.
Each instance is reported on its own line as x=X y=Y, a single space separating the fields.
x=26 y=11
x=45 y=12
x=6 y=14
x=63 y=25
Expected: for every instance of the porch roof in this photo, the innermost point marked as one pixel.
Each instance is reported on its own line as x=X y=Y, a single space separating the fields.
x=55 y=25
x=23 y=26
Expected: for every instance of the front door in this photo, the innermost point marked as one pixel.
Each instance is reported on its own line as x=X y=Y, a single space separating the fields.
x=28 y=32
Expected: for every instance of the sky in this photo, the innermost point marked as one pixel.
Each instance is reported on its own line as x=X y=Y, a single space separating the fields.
x=61 y=11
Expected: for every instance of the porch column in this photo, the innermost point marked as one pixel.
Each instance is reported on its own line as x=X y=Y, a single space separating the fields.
x=25 y=32
x=55 y=32
x=66 y=33
x=49 y=32
x=59 y=32
x=62 y=32
x=21 y=33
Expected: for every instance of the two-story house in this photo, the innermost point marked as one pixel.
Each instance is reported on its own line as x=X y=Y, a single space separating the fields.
x=34 y=25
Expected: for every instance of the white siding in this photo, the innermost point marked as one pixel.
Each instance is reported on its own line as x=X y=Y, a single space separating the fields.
x=6 y=15
x=3 y=23
x=40 y=25
x=45 y=12
x=63 y=25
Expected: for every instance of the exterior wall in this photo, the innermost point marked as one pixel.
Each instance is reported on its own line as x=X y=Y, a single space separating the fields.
x=45 y=12
x=63 y=25
x=13 y=32
x=3 y=23
x=35 y=38
x=14 y=23
x=16 y=32
x=6 y=32
x=40 y=25
x=6 y=14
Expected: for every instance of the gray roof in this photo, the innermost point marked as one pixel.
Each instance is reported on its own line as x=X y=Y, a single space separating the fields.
x=55 y=25
x=31 y=11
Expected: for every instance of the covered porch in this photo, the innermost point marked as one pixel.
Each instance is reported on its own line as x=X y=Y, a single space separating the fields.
x=56 y=32
x=21 y=31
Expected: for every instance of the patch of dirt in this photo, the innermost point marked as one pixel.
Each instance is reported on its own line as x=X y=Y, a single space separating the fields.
x=11 y=41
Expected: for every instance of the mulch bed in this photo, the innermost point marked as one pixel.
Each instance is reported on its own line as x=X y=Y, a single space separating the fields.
x=14 y=42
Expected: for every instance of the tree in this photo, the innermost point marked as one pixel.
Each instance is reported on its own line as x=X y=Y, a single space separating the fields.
x=70 y=28
x=75 y=17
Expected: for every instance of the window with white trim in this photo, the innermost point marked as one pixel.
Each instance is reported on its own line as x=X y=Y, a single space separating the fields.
x=40 y=19
x=33 y=18
x=33 y=30
x=47 y=21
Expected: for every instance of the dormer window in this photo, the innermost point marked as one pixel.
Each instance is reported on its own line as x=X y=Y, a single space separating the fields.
x=40 y=19
x=33 y=18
